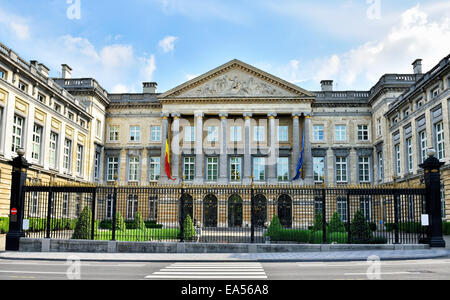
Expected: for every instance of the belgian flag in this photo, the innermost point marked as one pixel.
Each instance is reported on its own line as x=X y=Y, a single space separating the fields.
x=167 y=161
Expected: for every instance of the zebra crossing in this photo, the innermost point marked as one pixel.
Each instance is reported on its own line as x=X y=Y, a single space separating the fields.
x=221 y=270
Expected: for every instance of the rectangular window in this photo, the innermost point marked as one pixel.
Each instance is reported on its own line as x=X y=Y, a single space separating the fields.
x=36 y=143
x=135 y=133
x=71 y=116
x=41 y=98
x=57 y=108
x=97 y=165
x=132 y=206
x=235 y=169
x=80 y=149
x=23 y=87
x=341 y=169
x=189 y=168
x=99 y=129
x=189 y=134
x=398 y=165
x=363 y=133
x=342 y=208
x=235 y=134
x=155 y=168
x=259 y=134
x=17 y=134
x=283 y=133
x=259 y=168
x=423 y=146
x=434 y=93
x=364 y=171
x=379 y=128
x=380 y=166
x=212 y=168
x=318 y=133
x=34 y=203
x=153 y=207
x=67 y=159
x=114 y=133
x=65 y=205
x=283 y=169
x=440 y=145
x=213 y=134
x=318 y=166
x=2 y=74
x=109 y=206
x=53 y=149
x=113 y=168
x=366 y=207
x=155 y=134
x=341 y=133
x=134 y=164
x=409 y=152
x=443 y=213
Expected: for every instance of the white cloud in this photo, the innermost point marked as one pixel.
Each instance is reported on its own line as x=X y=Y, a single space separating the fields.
x=14 y=25
x=120 y=89
x=149 y=66
x=168 y=44
x=21 y=30
x=114 y=56
x=191 y=76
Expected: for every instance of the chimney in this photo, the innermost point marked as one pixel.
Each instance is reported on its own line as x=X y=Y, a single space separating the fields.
x=66 y=71
x=327 y=85
x=150 y=87
x=417 y=64
x=44 y=70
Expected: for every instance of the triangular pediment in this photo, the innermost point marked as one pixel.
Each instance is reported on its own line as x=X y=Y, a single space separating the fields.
x=236 y=80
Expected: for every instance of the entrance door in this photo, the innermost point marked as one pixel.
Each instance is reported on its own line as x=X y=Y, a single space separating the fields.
x=210 y=211
x=285 y=210
x=235 y=217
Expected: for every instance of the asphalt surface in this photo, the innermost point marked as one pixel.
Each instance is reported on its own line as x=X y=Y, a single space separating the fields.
x=434 y=269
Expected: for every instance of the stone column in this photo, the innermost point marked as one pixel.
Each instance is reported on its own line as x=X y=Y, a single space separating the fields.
x=164 y=135
x=176 y=146
x=198 y=148
x=296 y=145
x=307 y=156
x=273 y=155
x=223 y=164
x=247 y=149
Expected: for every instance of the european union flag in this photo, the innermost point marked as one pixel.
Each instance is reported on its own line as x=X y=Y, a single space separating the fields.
x=300 y=162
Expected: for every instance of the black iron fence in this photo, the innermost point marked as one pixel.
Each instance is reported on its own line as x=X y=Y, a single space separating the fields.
x=227 y=214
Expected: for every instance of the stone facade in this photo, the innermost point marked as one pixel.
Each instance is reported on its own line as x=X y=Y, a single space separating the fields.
x=231 y=125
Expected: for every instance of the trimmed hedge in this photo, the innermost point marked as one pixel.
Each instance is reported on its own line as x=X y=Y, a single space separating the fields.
x=4 y=225
x=408 y=227
x=107 y=225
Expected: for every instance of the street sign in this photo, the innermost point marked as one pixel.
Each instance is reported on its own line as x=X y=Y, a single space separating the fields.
x=425 y=220
x=14 y=211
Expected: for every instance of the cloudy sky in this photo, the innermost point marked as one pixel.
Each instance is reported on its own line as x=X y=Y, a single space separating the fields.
x=123 y=43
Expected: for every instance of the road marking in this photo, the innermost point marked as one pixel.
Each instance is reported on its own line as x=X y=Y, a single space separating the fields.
x=211 y=271
x=34 y=272
x=384 y=273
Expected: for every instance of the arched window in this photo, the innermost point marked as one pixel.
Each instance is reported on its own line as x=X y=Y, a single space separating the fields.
x=210 y=211
x=260 y=210
x=235 y=211
x=285 y=210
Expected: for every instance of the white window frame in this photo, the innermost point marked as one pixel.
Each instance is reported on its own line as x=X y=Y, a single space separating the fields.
x=398 y=162
x=67 y=155
x=53 y=149
x=17 y=134
x=440 y=141
x=113 y=135
x=113 y=168
x=259 y=134
x=259 y=168
x=36 y=142
x=132 y=206
x=380 y=165
x=236 y=167
x=189 y=134
x=155 y=133
x=341 y=169
x=409 y=152
x=97 y=157
x=155 y=168
x=98 y=128
x=318 y=133
x=134 y=163
x=213 y=134
x=23 y=86
x=363 y=133
x=318 y=168
x=283 y=169
x=364 y=166
x=423 y=145
x=283 y=133
x=135 y=133
x=212 y=169
x=235 y=134
x=189 y=168
x=340 y=132
x=80 y=158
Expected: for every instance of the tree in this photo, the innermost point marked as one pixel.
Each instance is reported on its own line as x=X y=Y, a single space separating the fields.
x=318 y=222
x=189 y=229
x=360 y=229
x=336 y=224
x=120 y=223
x=83 y=227
x=138 y=222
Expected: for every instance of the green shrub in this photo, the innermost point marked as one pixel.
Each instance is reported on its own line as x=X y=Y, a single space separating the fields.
x=4 y=225
x=318 y=222
x=189 y=229
x=336 y=224
x=446 y=228
x=360 y=229
x=83 y=227
x=378 y=240
x=275 y=226
x=138 y=222
x=373 y=226
x=153 y=225
x=120 y=223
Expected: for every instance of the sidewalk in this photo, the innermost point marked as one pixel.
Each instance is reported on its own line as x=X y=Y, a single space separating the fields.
x=234 y=257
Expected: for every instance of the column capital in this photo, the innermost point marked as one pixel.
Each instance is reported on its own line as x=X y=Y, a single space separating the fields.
x=176 y=115
x=223 y=115
x=307 y=115
x=272 y=115
x=247 y=115
x=165 y=115
x=199 y=114
x=296 y=115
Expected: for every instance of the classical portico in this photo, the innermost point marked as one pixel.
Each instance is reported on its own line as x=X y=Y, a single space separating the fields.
x=251 y=103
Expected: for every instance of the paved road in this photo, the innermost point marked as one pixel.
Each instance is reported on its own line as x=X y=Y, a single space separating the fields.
x=56 y=270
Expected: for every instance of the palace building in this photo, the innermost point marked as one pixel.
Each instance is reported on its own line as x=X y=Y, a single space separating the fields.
x=232 y=125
